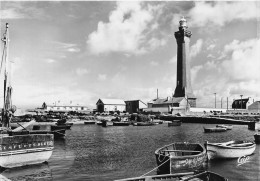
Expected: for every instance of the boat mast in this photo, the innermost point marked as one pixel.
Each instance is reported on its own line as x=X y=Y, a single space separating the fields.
x=7 y=106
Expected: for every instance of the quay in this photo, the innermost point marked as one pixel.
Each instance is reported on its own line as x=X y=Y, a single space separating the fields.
x=210 y=120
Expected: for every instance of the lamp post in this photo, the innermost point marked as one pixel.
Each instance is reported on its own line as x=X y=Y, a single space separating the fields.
x=215 y=99
x=241 y=100
x=227 y=103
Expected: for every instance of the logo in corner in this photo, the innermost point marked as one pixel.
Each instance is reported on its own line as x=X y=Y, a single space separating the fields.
x=242 y=160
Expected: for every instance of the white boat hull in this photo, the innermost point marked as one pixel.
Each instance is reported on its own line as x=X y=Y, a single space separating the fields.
x=20 y=150
x=25 y=157
x=220 y=152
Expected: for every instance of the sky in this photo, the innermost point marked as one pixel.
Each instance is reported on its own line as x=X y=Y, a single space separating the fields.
x=82 y=51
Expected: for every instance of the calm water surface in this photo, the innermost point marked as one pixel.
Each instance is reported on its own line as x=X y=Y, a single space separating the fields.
x=94 y=153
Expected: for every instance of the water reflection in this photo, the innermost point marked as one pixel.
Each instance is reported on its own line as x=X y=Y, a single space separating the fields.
x=32 y=172
x=62 y=158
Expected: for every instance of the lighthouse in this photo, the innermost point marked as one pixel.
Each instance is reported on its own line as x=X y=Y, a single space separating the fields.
x=183 y=84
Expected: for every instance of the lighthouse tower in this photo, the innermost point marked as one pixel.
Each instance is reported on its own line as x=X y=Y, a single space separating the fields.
x=183 y=85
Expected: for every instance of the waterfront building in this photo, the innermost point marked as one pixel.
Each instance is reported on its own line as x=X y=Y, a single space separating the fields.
x=107 y=105
x=170 y=104
x=241 y=103
x=134 y=106
x=65 y=107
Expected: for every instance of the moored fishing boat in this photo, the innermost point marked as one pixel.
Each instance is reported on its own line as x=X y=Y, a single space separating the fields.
x=144 y=124
x=174 y=123
x=228 y=127
x=57 y=131
x=203 y=176
x=212 y=130
x=68 y=125
x=157 y=121
x=121 y=123
x=98 y=122
x=90 y=122
x=230 y=149
x=180 y=157
x=19 y=147
x=257 y=138
x=88 y=119
x=106 y=123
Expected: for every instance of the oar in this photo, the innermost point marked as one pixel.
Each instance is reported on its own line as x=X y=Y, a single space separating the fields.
x=186 y=151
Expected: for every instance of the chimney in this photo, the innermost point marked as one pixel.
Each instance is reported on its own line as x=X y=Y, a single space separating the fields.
x=157 y=93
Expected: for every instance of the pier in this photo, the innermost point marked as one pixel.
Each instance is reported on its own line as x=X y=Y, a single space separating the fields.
x=210 y=120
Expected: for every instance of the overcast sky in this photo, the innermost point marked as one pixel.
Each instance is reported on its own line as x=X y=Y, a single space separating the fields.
x=83 y=51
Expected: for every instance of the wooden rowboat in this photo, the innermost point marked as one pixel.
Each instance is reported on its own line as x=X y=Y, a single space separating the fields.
x=180 y=157
x=144 y=124
x=257 y=138
x=121 y=123
x=212 y=130
x=106 y=123
x=231 y=149
x=191 y=176
x=90 y=122
x=228 y=127
x=175 y=123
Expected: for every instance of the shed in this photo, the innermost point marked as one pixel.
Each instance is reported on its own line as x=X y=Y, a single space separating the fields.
x=134 y=106
x=169 y=101
x=237 y=103
x=107 y=105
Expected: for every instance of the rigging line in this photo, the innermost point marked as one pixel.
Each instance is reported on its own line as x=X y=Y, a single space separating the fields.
x=21 y=126
x=3 y=58
x=5 y=40
x=155 y=168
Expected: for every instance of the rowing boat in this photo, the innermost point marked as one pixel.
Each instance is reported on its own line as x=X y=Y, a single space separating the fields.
x=121 y=123
x=212 y=130
x=180 y=157
x=144 y=124
x=231 y=149
x=228 y=127
x=174 y=123
x=188 y=176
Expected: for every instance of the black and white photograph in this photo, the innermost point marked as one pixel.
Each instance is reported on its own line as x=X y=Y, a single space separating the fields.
x=130 y=90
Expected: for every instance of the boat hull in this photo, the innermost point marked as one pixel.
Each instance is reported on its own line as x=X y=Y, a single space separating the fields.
x=26 y=158
x=144 y=124
x=121 y=123
x=228 y=127
x=204 y=176
x=89 y=122
x=174 y=123
x=257 y=138
x=59 y=131
x=20 y=150
x=192 y=157
x=214 y=130
x=223 y=152
x=106 y=123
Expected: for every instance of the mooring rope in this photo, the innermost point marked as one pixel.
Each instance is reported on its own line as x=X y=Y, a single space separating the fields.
x=159 y=155
x=155 y=168
x=57 y=131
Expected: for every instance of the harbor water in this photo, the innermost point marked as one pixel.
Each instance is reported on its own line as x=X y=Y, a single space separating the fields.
x=95 y=153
